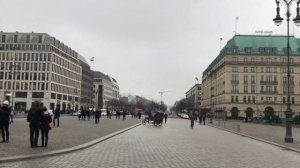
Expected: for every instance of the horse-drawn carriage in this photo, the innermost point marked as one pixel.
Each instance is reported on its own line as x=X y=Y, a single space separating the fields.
x=155 y=118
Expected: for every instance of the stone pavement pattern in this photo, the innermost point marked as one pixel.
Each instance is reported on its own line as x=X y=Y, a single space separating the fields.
x=174 y=145
x=273 y=133
x=71 y=132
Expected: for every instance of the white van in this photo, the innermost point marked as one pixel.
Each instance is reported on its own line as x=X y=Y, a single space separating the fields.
x=103 y=112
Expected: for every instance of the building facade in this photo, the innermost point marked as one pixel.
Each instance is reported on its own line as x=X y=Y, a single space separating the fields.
x=194 y=95
x=86 y=99
x=38 y=67
x=106 y=89
x=249 y=76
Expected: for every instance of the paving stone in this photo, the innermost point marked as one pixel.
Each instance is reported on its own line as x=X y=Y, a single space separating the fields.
x=173 y=145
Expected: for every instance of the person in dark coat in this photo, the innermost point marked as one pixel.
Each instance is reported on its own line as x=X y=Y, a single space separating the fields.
x=34 y=118
x=200 y=118
x=97 y=116
x=203 y=118
x=5 y=117
x=166 y=117
x=140 y=115
x=124 y=115
x=45 y=126
x=88 y=114
x=56 y=116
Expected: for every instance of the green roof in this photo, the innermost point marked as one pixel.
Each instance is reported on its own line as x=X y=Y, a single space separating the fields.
x=257 y=45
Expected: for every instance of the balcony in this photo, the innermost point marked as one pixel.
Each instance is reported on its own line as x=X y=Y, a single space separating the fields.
x=269 y=92
x=234 y=91
x=269 y=82
x=234 y=82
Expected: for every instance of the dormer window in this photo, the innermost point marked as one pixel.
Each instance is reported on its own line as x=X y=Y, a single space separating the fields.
x=248 y=50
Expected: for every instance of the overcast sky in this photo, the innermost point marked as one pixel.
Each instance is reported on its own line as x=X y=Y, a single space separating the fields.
x=146 y=45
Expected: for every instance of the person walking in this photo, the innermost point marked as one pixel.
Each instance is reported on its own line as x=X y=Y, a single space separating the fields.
x=56 y=116
x=200 y=118
x=88 y=114
x=97 y=116
x=5 y=116
x=166 y=117
x=192 y=118
x=34 y=118
x=140 y=115
x=203 y=118
x=45 y=126
x=124 y=115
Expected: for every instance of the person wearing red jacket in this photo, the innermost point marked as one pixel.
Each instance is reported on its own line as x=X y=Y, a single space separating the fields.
x=45 y=126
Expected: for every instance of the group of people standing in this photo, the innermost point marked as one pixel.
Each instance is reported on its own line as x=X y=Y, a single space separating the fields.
x=39 y=119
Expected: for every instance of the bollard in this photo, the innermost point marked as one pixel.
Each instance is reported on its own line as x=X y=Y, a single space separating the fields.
x=238 y=128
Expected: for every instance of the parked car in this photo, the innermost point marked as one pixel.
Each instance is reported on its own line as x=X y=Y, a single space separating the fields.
x=103 y=112
x=184 y=116
x=76 y=113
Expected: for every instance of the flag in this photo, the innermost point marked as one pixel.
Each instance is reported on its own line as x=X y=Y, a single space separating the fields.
x=196 y=79
x=237 y=18
x=92 y=59
x=221 y=38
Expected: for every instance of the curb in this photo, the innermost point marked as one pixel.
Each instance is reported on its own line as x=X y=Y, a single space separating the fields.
x=67 y=150
x=258 y=139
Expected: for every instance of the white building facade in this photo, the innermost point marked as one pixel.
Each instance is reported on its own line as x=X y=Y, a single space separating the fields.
x=38 y=67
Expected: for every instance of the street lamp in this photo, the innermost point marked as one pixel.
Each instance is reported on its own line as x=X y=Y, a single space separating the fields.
x=278 y=20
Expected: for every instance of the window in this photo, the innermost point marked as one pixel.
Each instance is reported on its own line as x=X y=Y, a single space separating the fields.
x=245 y=69
x=21 y=94
x=252 y=88
x=245 y=99
x=3 y=38
x=252 y=69
x=236 y=98
x=245 y=78
x=40 y=38
x=232 y=98
x=283 y=100
x=15 y=38
x=245 y=88
x=59 y=96
x=252 y=79
x=234 y=60
x=253 y=99
x=252 y=60
x=269 y=69
x=37 y=94
x=65 y=97
x=293 y=100
x=234 y=69
x=245 y=60
x=261 y=69
x=27 y=39
x=249 y=99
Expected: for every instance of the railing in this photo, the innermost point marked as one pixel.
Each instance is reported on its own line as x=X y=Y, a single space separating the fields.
x=269 y=82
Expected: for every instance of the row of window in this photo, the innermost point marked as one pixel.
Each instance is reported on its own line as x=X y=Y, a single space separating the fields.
x=251 y=99
x=64 y=89
x=265 y=60
x=7 y=85
x=262 y=69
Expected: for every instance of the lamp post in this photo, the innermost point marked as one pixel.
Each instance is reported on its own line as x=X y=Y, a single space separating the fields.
x=278 y=20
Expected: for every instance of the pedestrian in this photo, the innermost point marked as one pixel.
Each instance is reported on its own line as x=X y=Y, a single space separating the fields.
x=108 y=114
x=56 y=116
x=124 y=115
x=192 y=118
x=140 y=115
x=92 y=113
x=34 y=118
x=5 y=117
x=203 y=118
x=200 y=118
x=97 y=116
x=132 y=114
x=166 y=117
x=45 y=126
x=88 y=113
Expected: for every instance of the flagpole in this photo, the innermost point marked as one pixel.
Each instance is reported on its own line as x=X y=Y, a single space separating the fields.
x=236 y=20
x=221 y=43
